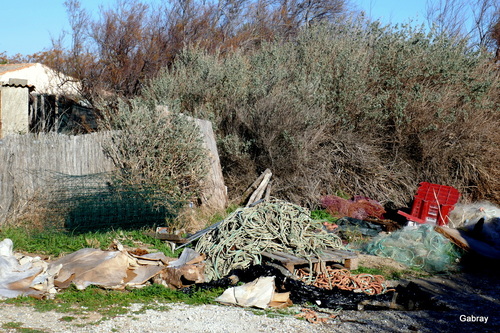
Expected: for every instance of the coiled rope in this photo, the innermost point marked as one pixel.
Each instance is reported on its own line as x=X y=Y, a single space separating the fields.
x=274 y=225
x=343 y=279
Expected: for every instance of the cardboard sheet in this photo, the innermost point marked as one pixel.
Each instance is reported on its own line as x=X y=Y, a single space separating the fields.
x=114 y=269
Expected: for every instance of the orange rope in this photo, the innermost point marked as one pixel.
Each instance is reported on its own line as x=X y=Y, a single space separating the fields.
x=343 y=279
x=312 y=316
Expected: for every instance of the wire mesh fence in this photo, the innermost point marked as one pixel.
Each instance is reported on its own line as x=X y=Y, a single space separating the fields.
x=66 y=181
x=96 y=202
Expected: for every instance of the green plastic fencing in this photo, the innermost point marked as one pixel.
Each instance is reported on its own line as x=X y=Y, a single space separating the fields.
x=94 y=202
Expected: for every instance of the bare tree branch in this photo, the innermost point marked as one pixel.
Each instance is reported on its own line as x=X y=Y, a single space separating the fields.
x=472 y=19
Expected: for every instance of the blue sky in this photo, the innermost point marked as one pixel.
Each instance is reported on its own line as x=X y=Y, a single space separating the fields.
x=29 y=25
x=394 y=11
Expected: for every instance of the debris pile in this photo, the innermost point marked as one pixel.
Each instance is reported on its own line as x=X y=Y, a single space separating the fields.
x=113 y=269
x=279 y=254
x=273 y=225
x=300 y=292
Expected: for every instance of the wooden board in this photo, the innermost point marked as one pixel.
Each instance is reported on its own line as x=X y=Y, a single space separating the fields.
x=454 y=236
x=168 y=237
x=468 y=243
x=349 y=259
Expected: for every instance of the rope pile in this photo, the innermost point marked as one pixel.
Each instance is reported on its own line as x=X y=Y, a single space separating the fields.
x=270 y=226
x=343 y=279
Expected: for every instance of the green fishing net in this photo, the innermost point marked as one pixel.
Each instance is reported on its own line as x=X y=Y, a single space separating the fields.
x=421 y=247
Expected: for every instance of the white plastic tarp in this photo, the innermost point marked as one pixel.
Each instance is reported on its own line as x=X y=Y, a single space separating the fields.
x=22 y=275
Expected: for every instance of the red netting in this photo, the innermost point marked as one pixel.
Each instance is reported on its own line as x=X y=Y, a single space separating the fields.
x=358 y=207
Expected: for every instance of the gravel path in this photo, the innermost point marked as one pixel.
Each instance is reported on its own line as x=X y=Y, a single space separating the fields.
x=204 y=318
x=217 y=318
x=178 y=318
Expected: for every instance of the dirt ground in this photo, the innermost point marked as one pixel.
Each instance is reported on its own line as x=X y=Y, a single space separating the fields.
x=458 y=300
x=443 y=303
x=387 y=264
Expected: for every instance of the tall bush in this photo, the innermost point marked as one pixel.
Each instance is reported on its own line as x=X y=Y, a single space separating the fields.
x=158 y=153
x=357 y=108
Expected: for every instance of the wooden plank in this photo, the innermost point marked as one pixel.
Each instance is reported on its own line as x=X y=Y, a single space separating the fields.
x=257 y=194
x=342 y=253
x=320 y=267
x=454 y=236
x=351 y=264
x=465 y=241
x=284 y=258
x=253 y=186
x=290 y=267
x=273 y=256
x=350 y=259
x=291 y=257
x=168 y=237
x=330 y=257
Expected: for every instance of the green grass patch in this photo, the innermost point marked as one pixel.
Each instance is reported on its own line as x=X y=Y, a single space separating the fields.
x=57 y=242
x=322 y=215
x=19 y=328
x=12 y=324
x=391 y=273
x=106 y=302
x=110 y=303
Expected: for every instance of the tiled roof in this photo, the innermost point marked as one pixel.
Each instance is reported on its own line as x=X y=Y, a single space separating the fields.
x=13 y=67
x=17 y=85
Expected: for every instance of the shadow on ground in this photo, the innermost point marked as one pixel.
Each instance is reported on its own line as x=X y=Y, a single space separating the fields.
x=441 y=304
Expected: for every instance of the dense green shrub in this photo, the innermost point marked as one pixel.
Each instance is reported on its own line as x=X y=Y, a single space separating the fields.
x=159 y=153
x=357 y=108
